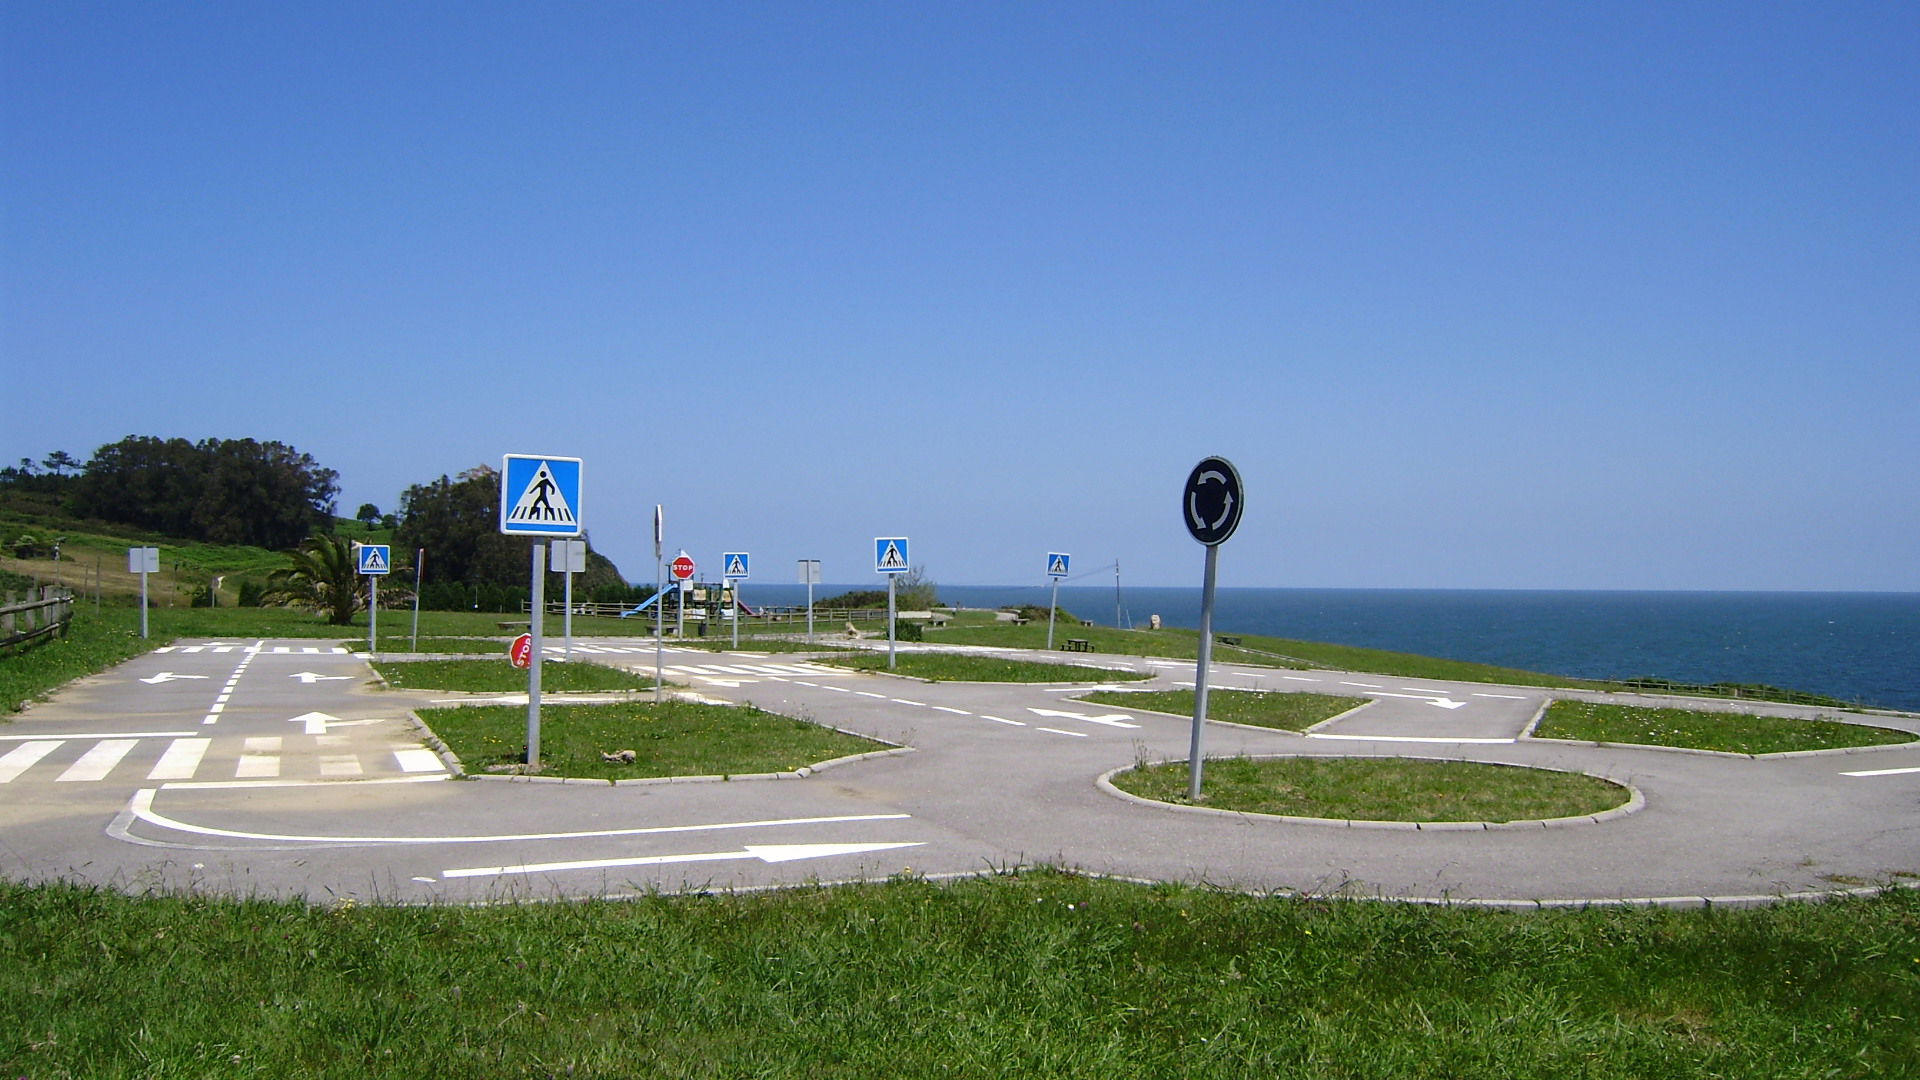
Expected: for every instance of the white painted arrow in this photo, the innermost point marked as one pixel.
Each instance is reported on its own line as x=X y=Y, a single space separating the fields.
x=1110 y=719
x=1443 y=702
x=767 y=853
x=316 y=722
x=311 y=677
x=167 y=676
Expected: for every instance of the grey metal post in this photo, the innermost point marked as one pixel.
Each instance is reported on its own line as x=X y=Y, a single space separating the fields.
x=890 y=615
x=373 y=615
x=533 y=664
x=736 y=613
x=566 y=620
x=419 y=568
x=1200 y=673
x=143 y=601
x=1052 y=606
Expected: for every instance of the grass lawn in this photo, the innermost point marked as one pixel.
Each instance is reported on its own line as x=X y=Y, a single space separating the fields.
x=1292 y=712
x=966 y=667
x=488 y=676
x=1036 y=975
x=672 y=738
x=1379 y=789
x=1735 y=733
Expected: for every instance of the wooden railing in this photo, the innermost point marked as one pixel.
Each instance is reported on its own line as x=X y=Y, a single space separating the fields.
x=23 y=620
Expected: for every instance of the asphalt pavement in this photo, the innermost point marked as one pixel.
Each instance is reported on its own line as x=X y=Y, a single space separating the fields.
x=284 y=768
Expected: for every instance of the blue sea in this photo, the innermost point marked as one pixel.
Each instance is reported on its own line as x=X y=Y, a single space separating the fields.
x=1862 y=647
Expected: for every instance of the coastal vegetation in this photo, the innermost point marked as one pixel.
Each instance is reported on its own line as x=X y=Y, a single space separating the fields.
x=1031 y=973
x=1288 y=712
x=1694 y=729
x=1378 y=789
x=670 y=738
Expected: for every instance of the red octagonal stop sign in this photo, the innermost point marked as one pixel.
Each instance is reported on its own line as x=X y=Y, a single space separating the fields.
x=520 y=653
x=682 y=567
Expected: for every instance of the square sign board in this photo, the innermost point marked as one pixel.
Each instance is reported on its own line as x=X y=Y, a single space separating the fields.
x=539 y=496
x=890 y=555
x=373 y=558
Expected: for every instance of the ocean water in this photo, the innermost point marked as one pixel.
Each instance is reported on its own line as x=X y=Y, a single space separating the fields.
x=1862 y=647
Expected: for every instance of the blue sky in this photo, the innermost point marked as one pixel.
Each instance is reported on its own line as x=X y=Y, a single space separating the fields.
x=1490 y=295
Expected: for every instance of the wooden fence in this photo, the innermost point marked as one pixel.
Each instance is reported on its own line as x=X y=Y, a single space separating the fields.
x=23 y=620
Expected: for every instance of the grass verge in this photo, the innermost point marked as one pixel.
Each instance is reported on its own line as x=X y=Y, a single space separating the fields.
x=1380 y=789
x=1734 y=733
x=1290 y=712
x=673 y=738
x=488 y=676
x=1037 y=975
x=966 y=667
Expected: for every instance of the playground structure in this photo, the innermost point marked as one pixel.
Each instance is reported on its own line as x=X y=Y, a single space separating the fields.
x=698 y=602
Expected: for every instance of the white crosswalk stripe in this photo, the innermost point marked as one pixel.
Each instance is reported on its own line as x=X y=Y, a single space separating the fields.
x=94 y=758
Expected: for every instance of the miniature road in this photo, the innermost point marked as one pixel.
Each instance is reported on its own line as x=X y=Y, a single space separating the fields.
x=279 y=768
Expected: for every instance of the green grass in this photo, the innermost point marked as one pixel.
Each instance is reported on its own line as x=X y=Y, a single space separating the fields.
x=498 y=675
x=672 y=738
x=1379 y=789
x=93 y=643
x=1734 y=733
x=1039 y=975
x=1291 y=712
x=965 y=667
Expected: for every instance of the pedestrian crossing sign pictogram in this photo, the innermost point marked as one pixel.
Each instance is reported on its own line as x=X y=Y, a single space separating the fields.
x=374 y=558
x=1057 y=563
x=539 y=496
x=890 y=555
x=734 y=564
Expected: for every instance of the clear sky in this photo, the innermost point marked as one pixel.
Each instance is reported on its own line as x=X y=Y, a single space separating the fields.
x=1474 y=295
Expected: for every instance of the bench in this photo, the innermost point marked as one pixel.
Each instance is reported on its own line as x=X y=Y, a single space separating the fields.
x=1079 y=644
x=935 y=619
x=1225 y=640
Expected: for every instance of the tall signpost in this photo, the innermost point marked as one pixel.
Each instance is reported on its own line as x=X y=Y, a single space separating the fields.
x=375 y=561
x=1056 y=569
x=809 y=576
x=733 y=567
x=1211 y=505
x=659 y=591
x=143 y=561
x=890 y=558
x=539 y=498
x=570 y=558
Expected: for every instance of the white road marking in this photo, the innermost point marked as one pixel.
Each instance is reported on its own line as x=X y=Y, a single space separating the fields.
x=25 y=756
x=1505 y=697
x=951 y=709
x=1057 y=731
x=769 y=853
x=180 y=759
x=1000 y=720
x=1882 y=772
x=417 y=759
x=340 y=765
x=1119 y=720
x=97 y=762
x=140 y=807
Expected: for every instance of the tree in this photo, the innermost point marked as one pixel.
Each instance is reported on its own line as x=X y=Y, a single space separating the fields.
x=59 y=463
x=368 y=514
x=322 y=577
x=224 y=491
x=915 y=591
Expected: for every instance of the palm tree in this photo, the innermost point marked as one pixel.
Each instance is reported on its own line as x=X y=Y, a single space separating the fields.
x=323 y=576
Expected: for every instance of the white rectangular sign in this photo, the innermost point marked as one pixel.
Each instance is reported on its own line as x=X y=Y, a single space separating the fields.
x=567 y=556
x=143 y=560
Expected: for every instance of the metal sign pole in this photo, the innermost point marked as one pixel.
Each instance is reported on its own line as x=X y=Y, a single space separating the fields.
x=736 y=613
x=143 y=602
x=659 y=598
x=373 y=615
x=1200 y=673
x=890 y=616
x=419 y=569
x=566 y=620
x=1052 y=606
x=533 y=662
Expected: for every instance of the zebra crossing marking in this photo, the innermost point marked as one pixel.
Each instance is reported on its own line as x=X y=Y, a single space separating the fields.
x=96 y=763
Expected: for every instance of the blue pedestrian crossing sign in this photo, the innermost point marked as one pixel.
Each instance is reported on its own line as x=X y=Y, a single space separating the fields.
x=890 y=555
x=539 y=496
x=374 y=558
x=734 y=565
x=1057 y=563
